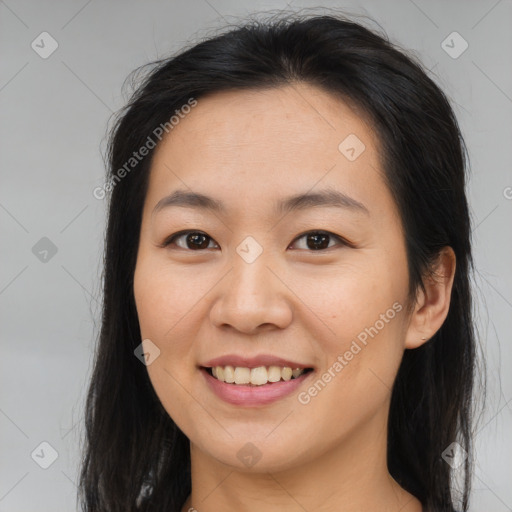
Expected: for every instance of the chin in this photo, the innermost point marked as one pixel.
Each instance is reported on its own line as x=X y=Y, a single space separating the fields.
x=253 y=454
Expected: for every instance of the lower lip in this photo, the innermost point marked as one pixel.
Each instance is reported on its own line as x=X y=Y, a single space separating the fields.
x=238 y=394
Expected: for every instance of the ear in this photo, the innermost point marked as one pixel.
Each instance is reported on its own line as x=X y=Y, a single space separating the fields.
x=432 y=306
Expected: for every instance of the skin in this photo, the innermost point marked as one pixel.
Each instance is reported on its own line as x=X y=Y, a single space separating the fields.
x=249 y=149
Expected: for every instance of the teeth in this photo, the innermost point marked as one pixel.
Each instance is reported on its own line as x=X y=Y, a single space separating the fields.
x=242 y=375
x=274 y=374
x=286 y=373
x=259 y=376
x=229 y=374
x=296 y=372
x=255 y=376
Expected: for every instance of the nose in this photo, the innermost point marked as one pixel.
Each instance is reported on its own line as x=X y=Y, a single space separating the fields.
x=252 y=298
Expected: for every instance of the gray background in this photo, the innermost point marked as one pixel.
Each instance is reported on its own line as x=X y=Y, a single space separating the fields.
x=54 y=117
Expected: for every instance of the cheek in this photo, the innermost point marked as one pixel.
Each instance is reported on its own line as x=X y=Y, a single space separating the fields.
x=349 y=298
x=163 y=310
x=360 y=332
x=164 y=304
x=163 y=297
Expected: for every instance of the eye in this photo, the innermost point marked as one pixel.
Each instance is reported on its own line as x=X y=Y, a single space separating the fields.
x=197 y=240
x=319 y=240
x=194 y=240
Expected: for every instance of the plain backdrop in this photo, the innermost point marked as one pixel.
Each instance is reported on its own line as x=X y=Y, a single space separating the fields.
x=55 y=109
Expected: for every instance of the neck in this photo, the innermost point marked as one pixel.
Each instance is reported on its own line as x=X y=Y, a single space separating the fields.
x=349 y=477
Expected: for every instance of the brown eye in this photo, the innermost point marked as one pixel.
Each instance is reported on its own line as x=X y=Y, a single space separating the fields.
x=315 y=241
x=193 y=240
x=319 y=240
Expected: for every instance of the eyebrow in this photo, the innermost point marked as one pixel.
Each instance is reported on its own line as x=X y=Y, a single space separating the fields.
x=325 y=198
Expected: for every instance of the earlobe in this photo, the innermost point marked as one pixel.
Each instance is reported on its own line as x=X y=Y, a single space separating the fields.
x=432 y=306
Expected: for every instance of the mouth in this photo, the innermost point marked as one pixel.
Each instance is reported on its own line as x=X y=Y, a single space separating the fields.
x=254 y=377
x=258 y=386
x=252 y=381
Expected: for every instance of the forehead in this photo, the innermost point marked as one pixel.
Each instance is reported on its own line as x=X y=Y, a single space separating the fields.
x=291 y=120
x=248 y=147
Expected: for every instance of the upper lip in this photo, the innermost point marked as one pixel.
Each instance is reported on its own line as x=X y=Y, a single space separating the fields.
x=253 y=362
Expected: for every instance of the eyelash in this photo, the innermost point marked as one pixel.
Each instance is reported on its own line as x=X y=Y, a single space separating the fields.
x=168 y=241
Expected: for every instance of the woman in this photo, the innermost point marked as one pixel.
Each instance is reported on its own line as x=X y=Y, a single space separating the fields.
x=287 y=312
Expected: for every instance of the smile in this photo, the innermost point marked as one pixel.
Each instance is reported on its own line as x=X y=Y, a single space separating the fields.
x=259 y=376
x=243 y=392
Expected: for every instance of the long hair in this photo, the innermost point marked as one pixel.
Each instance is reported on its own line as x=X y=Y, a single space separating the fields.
x=134 y=456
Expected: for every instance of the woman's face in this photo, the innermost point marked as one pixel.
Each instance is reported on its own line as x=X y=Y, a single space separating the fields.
x=297 y=258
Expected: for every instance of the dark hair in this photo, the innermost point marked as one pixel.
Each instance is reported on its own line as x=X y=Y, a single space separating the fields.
x=135 y=457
